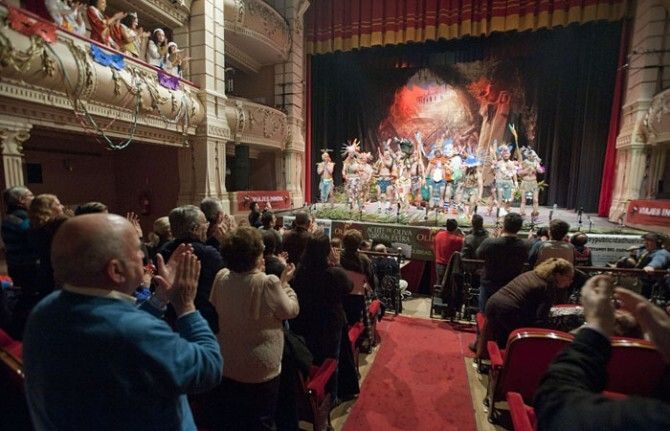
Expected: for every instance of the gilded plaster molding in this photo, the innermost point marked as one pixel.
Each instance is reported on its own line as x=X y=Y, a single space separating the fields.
x=252 y=123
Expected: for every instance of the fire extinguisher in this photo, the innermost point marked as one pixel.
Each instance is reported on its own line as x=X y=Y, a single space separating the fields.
x=145 y=203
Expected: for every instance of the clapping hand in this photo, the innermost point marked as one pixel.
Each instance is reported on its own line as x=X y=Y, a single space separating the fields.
x=653 y=320
x=134 y=219
x=287 y=273
x=596 y=298
x=166 y=273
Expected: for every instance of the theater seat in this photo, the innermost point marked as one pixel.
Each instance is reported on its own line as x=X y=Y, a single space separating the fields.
x=313 y=401
x=518 y=368
x=374 y=311
x=354 y=334
x=523 y=416
x=13 y=407
x=483 y=336
x=639 y=379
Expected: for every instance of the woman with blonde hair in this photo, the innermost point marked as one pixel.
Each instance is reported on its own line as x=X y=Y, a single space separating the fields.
x=526 y=300
x=46 y=215
x=160 y=235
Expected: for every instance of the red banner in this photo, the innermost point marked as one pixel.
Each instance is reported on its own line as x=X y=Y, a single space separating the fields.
x=648 y=212
x=278 y=199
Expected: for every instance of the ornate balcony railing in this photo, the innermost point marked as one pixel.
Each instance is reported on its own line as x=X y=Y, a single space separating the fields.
x=253 y=26
x=256 y=124
x=58 y=79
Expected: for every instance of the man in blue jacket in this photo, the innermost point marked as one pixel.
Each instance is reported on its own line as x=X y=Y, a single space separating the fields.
x=94 y=360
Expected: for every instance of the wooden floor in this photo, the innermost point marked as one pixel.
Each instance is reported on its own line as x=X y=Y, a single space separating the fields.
x=420 y=307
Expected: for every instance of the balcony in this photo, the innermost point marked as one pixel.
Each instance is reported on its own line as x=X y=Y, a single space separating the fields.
x=253 y=26
x=252 y=123
x=60 y=85
x=156 y=13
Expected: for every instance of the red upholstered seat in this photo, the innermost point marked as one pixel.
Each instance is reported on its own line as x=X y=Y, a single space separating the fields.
x=635 y=367
x=355 y=332
x=523 y=416
x=313 y=402
x=13 y=406
x=526 y=358
x=483 y=336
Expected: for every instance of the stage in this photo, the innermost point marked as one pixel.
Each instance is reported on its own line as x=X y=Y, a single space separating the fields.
x=375 y=212
x=411 y=232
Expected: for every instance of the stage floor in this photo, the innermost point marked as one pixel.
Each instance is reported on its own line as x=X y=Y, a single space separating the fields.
x=376 y=213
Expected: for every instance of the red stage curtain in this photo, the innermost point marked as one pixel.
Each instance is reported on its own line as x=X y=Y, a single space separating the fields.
x=343 y=25
x=609 y=166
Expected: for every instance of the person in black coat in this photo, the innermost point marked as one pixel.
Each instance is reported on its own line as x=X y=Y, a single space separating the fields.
x=569 y=396
x=189 y=226
x=320 y=286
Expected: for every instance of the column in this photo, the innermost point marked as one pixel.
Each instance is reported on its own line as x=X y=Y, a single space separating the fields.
x=202 y=166
x=241 y=170
x=290 y=93
x=13 y=133
x=643 y=82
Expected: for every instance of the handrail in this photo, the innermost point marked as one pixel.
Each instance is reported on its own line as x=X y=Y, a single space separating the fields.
x=89 y=40
x=656 y=272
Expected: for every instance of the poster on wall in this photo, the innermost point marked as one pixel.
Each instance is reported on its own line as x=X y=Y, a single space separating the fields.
x=278 y=199
x=649 y=213
x=607 y=248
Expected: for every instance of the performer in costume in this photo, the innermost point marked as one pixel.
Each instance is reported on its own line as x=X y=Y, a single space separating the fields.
x=351 y=173
x=386 y=172
x=103 y=29
x=157 y=48
x=471 y=183
x=439 y=173
x=417 y=172
x=453 y=189
x=506 y=180
x=325 y=169
x=530 y=167
x=69 y=17
x=367 y=174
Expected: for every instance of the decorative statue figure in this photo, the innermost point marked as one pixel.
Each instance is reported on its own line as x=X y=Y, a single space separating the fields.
x=530 y=167
x=325 y=169
x=506 y=181
x=103 y=29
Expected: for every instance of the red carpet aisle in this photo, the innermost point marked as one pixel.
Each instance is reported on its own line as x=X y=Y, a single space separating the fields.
x=418 y=380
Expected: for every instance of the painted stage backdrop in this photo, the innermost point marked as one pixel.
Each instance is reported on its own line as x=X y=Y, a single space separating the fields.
x=470 y=105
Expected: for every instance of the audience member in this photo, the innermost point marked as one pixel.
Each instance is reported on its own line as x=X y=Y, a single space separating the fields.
x=20 y=254
x=92 y=207
x=133 y=37
x=104 y=30
x=274 y=264
x=189 y=226
x=504 y=258
x=322 y=320
x=251 y=306
x=526 y=300
x=355 y=303
x=570 y=394
x=295 y=240
x=67 y=16
x=555 y=246
x=651 y=258
x=268 y=221
x=254 y=214
x=92 y=359
x=445 y=244
x=156 y=48
x=474 y=239
x=174 y=62
x=161 y=235
x=215 y=216
x=46 y=216
x=582 y=252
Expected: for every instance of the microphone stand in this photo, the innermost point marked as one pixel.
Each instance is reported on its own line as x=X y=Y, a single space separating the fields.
x=579 y=219
x=397 y=214
x=590 y=223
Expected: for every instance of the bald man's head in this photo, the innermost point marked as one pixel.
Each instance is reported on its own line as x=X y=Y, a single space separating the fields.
x=97 y=250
